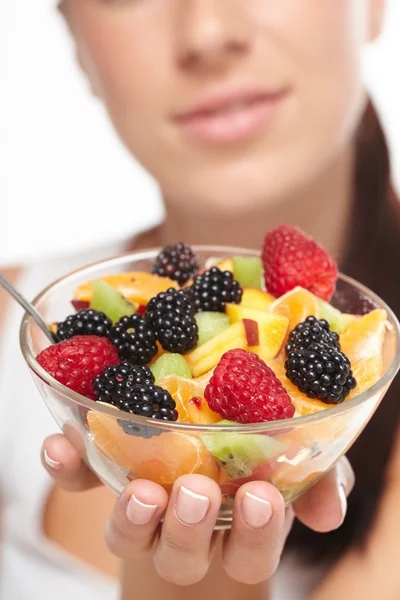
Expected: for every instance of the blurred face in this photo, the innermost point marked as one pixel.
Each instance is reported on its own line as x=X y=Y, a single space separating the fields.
x=228 y=103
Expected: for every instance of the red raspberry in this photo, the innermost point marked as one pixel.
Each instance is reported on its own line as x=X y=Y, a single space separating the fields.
x=292 y=259
x=76 y=362
x=244 y=389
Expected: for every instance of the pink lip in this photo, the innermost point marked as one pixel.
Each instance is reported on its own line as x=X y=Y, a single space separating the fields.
x=230 y=117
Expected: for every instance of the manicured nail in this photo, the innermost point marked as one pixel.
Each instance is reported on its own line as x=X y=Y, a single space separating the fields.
x=256 y=511
x=343 y=500
x=140 y=513
x=191 y=508
x=53 y=464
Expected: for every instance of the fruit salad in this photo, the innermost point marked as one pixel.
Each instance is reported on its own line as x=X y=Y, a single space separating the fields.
x=237 y=341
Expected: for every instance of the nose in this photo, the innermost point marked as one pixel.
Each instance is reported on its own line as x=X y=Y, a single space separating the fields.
x=211 y=33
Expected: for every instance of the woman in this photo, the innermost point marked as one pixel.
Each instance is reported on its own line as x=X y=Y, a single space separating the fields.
x=248 y=114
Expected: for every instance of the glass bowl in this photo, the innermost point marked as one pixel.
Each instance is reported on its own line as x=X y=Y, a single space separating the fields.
x=302 y=449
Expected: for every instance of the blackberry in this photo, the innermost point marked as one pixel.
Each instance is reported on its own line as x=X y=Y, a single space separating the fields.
x=134 y=339
x=321 y=372
x=171 y=316
x=114 y=383
x=309 y=332
x=213 y=289
x=84 y=322
x=178 y=262
x=149 y=401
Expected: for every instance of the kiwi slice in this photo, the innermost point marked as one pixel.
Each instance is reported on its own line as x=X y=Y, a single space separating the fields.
x=335 y=318
x=248 y=271
x=240 y=453
x=109 y=301
x=170 y=364
x=211 y=324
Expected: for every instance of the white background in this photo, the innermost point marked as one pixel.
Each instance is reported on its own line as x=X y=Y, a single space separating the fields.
x=59 y=156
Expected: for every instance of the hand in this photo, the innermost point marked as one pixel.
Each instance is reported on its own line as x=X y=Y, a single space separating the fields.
x=252 y=548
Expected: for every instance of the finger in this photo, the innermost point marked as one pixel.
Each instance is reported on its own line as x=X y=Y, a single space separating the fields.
x=62 y=461
x=183 y=553
x=254 y=545
x=132 y=528
x=323 y=508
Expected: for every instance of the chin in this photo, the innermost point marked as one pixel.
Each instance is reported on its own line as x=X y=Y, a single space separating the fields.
x=235 y=193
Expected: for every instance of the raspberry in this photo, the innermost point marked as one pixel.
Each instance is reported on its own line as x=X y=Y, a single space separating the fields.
x=213 y=289
x=85 y=322
x=322 y=372
x=178 y=262
x=292 y=259
x=244 y=389
x=78 y=361
x=171 y=315
x=309 y=332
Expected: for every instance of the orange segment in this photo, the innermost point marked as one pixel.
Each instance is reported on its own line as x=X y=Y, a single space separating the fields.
x=190 y=402
x=303 y=404
x=297 y=305
x=137 y=287
x=161 y=459
x=362 y=342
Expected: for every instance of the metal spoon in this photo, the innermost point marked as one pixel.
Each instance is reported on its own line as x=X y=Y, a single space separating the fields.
x=30 y=309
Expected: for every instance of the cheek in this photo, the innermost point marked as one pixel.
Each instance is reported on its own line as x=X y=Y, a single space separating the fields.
x=126 y=58
x=322 y=42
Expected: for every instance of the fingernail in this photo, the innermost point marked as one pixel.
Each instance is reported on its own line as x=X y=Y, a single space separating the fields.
x=343 y=500
x=191 y=508
x=256 y=511
x=53 y=464
x=140 y=513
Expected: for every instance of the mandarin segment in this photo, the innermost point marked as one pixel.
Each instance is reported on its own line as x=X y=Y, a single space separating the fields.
x=190 y=402
x=136 y=287
x=161 y=459
x=362 y=342
x=296 y=305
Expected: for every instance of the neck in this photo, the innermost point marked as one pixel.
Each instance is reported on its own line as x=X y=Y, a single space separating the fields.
x=322 y=210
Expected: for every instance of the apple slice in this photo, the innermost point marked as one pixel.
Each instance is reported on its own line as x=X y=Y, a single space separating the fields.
x=272 y=329
x=257 y=299
x=208 y=355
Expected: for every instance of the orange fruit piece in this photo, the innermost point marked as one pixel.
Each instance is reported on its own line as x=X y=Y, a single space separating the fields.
x=137 y=287
x=362 y=342
x=161 y=459
x=303 y=404
x=297 y=305
x=191 y=405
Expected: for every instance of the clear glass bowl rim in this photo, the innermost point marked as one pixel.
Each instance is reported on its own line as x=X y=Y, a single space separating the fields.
x=264 y=427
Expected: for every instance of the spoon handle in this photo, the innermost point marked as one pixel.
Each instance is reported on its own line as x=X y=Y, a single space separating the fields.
x=4 y=283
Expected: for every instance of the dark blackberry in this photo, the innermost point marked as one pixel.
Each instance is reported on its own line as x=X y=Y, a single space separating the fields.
x=84 y=322
x=178 y=262
x=213 y=289
x=321 y=372
x=135 y=340
x=149 y=401
x=309 y=332
x=171 y=316
x=114 y=383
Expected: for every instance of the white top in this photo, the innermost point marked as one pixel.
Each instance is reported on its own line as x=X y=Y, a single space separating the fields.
x=32 y=567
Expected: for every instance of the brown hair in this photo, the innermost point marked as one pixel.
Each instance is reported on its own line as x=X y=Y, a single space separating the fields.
x=373 y=257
